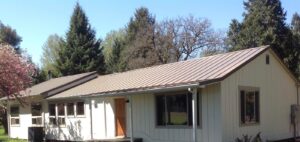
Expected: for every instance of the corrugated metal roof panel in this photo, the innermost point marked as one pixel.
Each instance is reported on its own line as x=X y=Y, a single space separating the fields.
x=195 y=70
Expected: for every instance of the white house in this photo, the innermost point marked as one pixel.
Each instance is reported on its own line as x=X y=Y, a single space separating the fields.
x=211 y=99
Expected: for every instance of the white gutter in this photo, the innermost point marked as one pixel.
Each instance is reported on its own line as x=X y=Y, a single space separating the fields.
x=152 y=90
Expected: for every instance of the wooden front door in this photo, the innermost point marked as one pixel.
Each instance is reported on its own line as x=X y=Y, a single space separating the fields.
x=120 y=117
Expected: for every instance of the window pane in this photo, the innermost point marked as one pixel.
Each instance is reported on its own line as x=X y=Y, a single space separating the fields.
x=177 y=109
x=242 y=106
x=257 y=106
x=80 y=108
x=190 y=109
x=37 y=121
x=160 y=111
x=52 y=121
x=250 y=107
x=36 y=109
x=61 y=121
x=61 y=109
x=15 y=121
x=52 y=109
x=14 y=111
x=70 y=108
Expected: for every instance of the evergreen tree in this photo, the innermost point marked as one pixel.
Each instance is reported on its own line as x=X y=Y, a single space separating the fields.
x=82 y=51
x=140 y=40
x=233 y=34
x=264 y=24
x=10 y=36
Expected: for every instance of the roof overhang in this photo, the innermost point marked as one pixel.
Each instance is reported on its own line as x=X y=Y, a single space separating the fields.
x=153 y=90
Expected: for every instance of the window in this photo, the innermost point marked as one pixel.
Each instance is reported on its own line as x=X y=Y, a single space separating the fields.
x=52 y=114
x=70 y=109
x=249 y=106
x=36 y=112
x=80 y=108
x=267 y=59
x=61 y=114
x=174 y=110
x=14 y=115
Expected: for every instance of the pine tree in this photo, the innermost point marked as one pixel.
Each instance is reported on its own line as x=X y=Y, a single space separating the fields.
x=264 y=24
x=82 y=51
x=9 y=36
x=140 y=40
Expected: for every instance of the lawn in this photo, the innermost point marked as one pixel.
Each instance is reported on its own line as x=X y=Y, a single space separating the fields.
x=4 y=138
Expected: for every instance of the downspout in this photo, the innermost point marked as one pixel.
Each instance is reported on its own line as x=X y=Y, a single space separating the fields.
x=194 y=111
x=91 y=118
x=105 y=127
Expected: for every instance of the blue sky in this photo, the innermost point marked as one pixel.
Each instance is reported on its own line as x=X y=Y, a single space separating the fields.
x=35 y=20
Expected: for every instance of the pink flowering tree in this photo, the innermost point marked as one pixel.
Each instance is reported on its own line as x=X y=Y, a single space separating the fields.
x=15 y=72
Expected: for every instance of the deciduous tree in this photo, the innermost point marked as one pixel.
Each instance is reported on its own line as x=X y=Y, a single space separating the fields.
x=15 y=72
x=50 y=55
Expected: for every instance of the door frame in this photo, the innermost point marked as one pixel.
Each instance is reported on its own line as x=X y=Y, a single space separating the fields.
x=125 y=117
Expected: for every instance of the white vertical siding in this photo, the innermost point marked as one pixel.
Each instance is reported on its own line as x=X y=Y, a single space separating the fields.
x=76 y=128
x=144 y=120
x=277 y=94
x=21 y=131
x=103 y=118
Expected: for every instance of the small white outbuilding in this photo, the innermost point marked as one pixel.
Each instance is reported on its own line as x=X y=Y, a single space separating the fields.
x=211 y=99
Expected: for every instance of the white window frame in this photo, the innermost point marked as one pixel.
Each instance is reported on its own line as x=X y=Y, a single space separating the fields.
x=14 y=117
x=37 y=117
x=84 y=111
x=74 y=104
x=51 y=116
x=61 y=116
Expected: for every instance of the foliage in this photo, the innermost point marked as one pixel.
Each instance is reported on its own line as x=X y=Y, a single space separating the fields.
x=139 y=40
x=82 y=51
x=113 y=47
x=264 y=24
x=149 y=43
x=9 y=36
x=50 y=55
x=296 y=24
x=247 y=138
x=15 y=72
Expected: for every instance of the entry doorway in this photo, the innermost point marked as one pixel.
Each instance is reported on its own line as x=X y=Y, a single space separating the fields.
x=120 y=114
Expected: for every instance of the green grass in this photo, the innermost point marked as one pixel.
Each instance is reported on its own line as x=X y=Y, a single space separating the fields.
x=5 y=138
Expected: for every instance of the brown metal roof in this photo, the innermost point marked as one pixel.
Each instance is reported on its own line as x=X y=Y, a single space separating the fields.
x=201 y=70
x=54 y=83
